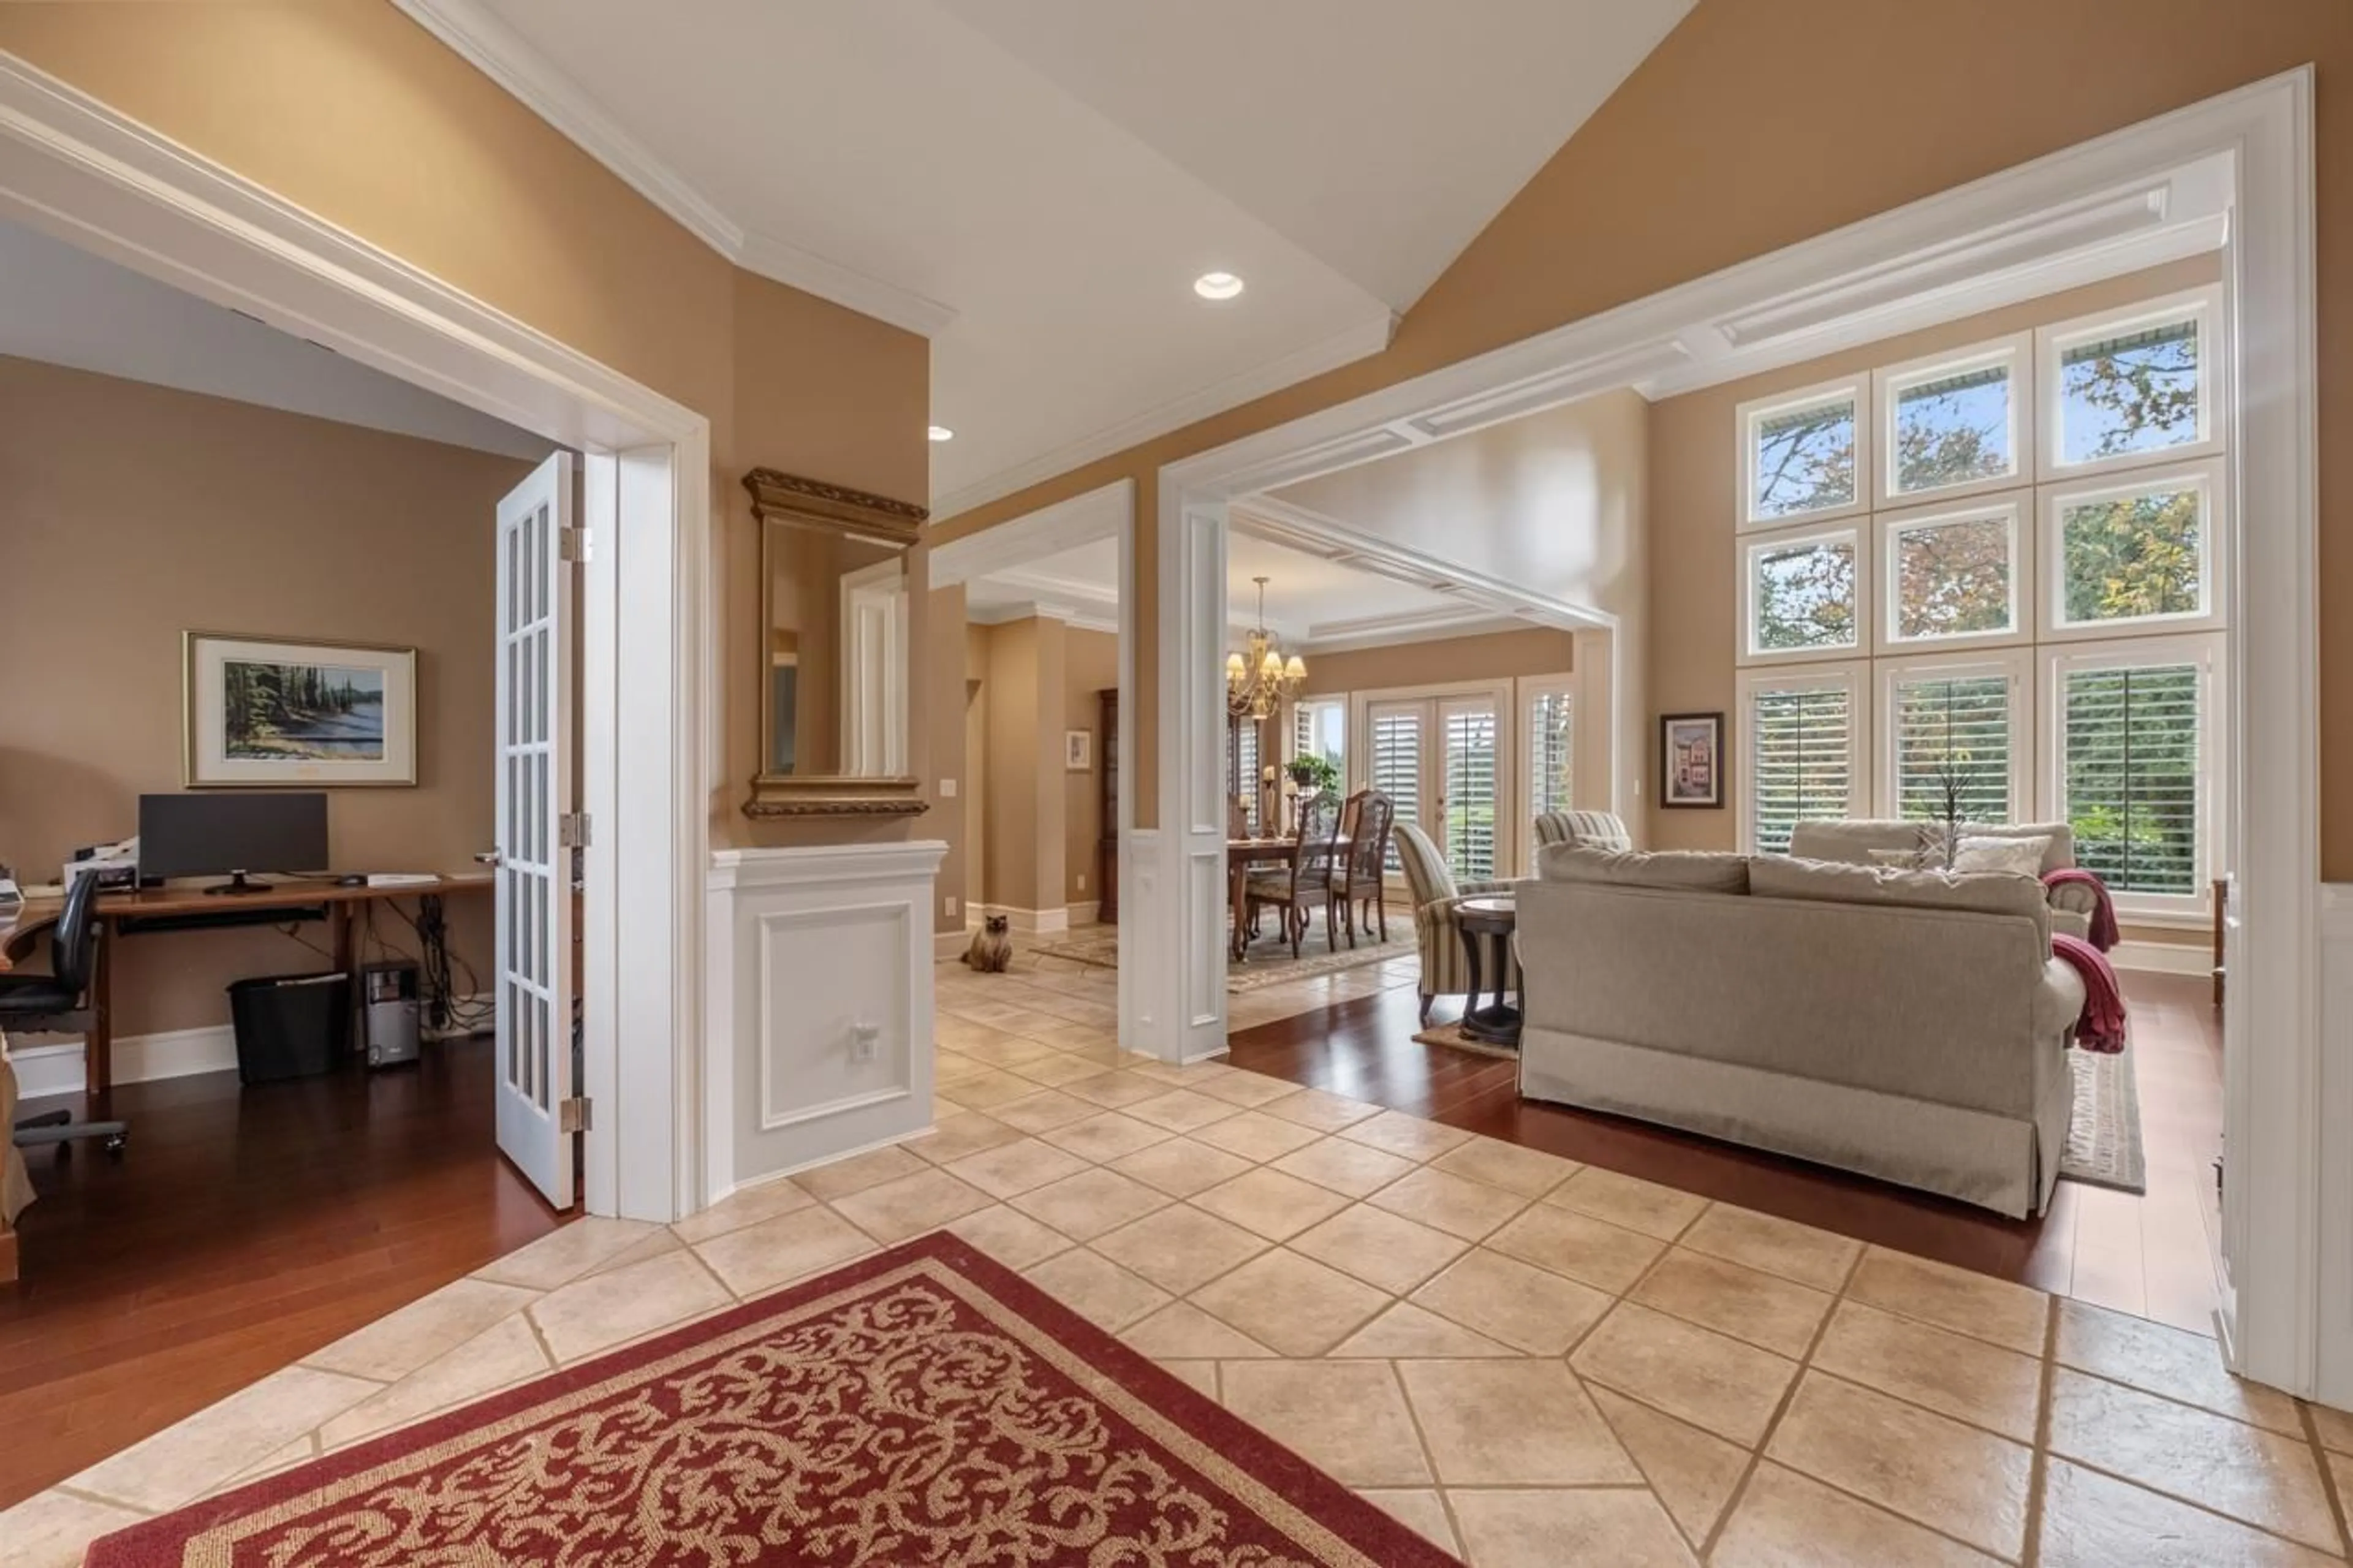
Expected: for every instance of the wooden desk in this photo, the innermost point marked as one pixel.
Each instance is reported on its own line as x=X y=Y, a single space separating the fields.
x=19 y=933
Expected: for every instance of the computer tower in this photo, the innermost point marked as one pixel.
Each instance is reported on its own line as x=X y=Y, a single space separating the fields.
x=389 y=1009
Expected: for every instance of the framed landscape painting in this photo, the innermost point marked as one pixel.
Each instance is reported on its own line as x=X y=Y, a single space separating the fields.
x=266 y=712
x=1691 y=760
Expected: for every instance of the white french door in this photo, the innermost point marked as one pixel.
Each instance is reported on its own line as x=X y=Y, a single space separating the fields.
x=533 y=790
x=1440 y=759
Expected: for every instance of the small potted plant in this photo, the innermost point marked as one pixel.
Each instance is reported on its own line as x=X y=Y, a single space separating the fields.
x=1314 y=776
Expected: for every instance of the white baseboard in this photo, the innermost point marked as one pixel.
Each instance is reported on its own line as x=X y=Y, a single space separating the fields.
x=1084 y=913
x=1029 y=923
x=947 y=944
x=55 y=1066
x=2164 y=957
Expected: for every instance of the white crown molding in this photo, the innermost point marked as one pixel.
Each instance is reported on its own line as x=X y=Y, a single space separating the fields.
x=1088 y=618
x=1466 y=619
x=1049 y=531
x=1319 y=533
x=1345 y=347
x=478 y=36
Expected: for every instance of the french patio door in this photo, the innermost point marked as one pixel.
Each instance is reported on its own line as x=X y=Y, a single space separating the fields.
x=1438 y=759
x=533 y=791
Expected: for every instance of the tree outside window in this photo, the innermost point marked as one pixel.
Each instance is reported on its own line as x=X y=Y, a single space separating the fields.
x=1953 y=430
x=1805 y=595
x=1952 y=578
x=2136 y=393
x=2128 y=557
x=1805 y=459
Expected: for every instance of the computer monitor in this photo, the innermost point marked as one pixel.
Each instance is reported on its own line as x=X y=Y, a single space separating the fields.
x=232 y=835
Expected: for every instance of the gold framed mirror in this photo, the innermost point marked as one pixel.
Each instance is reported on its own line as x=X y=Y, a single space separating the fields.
x=834 y=676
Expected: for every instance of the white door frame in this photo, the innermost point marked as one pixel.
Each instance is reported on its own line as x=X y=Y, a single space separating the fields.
x=77 y=169
x=2235 y=169
x=1099 y=514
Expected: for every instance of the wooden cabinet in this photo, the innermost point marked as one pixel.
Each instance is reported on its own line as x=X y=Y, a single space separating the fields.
x=1107 y=845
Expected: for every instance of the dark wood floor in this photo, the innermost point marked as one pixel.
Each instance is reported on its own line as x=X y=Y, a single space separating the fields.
x=243 y=1229
x=2150 y=1256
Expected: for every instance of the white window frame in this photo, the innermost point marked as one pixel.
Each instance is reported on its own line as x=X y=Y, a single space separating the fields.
x=2203 y=305
x=1525 y=689
x=1750 y=415
x=1852 y=676
x=2205 y=650
x=1854 y=529
x=2015 y=353
x=2016 y=665
x=2014 y=509
x=2207 y=474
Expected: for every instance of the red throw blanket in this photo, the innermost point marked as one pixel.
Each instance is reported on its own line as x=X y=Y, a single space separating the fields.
x=2101 y=1026
x=2105 y=934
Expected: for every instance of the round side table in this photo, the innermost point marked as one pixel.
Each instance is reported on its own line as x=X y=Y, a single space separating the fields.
x=1487 y=924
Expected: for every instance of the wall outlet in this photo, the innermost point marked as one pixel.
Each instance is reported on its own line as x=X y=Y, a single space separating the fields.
x=865 y=1042
x=948 y=789
x=951 y=903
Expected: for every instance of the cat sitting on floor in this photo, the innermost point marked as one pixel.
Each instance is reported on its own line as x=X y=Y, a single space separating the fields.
x=991 y=949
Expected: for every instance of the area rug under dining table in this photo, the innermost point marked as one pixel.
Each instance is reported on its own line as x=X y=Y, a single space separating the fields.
x=924 y=1405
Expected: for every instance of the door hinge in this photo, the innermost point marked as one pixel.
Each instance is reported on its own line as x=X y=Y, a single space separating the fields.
x=576 y=544
x=572 y=830
x=572 y=1115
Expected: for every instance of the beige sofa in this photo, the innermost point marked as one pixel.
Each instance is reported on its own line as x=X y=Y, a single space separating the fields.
x=1909 y=1025
x=1852 y=841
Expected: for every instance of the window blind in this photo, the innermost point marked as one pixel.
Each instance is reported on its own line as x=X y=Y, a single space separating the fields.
x=1245 y=781
x=1471 y=791
x=2131 y=761
x=1953 y=733
x=1397 y=768
x=1552 y=759
x=1801 y=760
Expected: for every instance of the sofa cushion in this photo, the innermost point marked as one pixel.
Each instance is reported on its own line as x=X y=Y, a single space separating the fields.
x=1852 y=841
x=1781 y=876
x=1692 y=870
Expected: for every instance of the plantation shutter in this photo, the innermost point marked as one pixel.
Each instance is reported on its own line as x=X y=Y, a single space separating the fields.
x=2131 y=771
x=1552 y=758
x=1953 y=732
x=1245 y=780
x=1470 y=790
x=1396 y=765
x=1801 y=760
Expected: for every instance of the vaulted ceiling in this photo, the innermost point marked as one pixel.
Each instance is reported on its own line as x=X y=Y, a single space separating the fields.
x=1036 y=184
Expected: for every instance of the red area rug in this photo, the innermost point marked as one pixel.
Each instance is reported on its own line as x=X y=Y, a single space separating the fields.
x=925 y=1406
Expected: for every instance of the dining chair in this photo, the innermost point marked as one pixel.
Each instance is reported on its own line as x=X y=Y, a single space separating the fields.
x=1370 y=818
x=1307 y=878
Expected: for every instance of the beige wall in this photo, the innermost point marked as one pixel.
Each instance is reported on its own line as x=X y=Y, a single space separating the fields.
x=1490 y=656
x=1090 y=666
x=1755 y=125
x=351 y=110
x=1695 y=494
x=134 y=513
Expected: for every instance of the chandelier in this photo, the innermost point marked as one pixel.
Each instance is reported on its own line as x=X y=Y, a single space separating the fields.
x=1258 y=679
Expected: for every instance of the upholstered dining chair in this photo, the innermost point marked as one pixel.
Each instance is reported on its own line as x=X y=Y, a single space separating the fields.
x=1363 y=891
x=1308 y=879
x=1584 y=829
x=1445 y=966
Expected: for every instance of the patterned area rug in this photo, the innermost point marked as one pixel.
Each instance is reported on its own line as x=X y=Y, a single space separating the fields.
x=2104 y=1144
x=1452 y=1036
x=925 y=1406
x=1269 y=962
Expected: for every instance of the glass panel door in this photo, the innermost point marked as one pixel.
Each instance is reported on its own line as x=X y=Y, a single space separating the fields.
x=1469 y=796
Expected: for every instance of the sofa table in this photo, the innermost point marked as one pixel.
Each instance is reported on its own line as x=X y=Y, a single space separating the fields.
x=1487 y=923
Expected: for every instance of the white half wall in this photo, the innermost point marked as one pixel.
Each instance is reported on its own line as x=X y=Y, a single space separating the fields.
x=820 y=1004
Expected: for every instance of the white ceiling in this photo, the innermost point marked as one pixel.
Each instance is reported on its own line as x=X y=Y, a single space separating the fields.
x=64 y=306
x=1310 y=600
x=1036 y=183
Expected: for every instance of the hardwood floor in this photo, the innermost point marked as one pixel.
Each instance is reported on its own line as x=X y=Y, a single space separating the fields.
x=2150 y=1256
x=243 y=1229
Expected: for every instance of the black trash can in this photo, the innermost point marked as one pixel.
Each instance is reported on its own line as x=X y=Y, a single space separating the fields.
x=291 y=1025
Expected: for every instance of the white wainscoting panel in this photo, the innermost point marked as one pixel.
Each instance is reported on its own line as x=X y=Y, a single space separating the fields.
x=2333 y=1381
x=813 y=952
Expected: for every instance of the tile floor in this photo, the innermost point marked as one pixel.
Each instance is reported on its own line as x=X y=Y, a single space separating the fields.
x=1528 y=1360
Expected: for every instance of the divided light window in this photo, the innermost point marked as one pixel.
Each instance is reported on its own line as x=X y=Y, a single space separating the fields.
x=2132 y=392
x=1952 y=740
x=2140 y=553
x=1801 y=760
x=2130 y=741
x=1805 y=595
x=1801 y=458
x=1552 y=752
x=1957 y=427
x=1952 y=577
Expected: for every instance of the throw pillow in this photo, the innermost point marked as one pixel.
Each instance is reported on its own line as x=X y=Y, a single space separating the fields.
x=2014 y=857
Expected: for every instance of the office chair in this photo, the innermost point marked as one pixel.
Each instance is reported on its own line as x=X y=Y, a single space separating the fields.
x=52 y=1003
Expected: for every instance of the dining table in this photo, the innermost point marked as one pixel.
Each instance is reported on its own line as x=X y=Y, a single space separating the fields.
x=1241 y=854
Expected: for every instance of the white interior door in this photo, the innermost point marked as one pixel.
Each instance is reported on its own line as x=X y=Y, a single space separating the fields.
x=535 y=685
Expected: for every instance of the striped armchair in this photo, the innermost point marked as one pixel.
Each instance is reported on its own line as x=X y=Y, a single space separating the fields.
x=1585 y=829
x=1445 y=967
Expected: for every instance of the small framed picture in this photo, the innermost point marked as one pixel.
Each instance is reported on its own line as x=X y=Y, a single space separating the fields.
x=1691 y=760
x=266 y=712
x=1078 y=751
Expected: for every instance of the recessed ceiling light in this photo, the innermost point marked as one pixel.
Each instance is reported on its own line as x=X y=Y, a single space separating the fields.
x=1216 y=285
x=941 y=433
